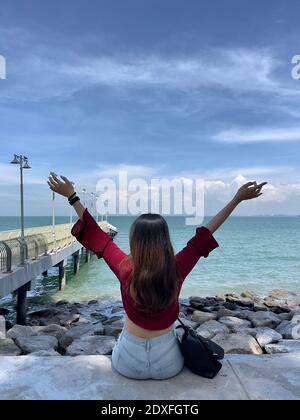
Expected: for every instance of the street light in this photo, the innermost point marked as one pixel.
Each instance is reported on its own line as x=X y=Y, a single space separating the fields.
x=71 y=208
x=84 y=197
x=22 y=161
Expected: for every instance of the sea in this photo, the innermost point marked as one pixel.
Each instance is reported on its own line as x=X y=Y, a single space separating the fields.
x=255 y=253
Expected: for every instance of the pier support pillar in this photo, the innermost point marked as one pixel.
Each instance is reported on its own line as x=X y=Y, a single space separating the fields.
x=22 y=303
x=76 y=262
x=87 y=256
x=62 y=275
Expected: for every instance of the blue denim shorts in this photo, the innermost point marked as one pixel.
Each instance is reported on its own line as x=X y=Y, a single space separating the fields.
x=153 y=358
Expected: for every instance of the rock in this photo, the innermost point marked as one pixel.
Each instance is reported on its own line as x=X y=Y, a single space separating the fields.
x=296 y=319
x=231 y=306
x=54 y=330
x=266 y=336
x=98 y=315
x=240 y=301
x=62 y=303
x=211 y=328
x=257 y=307
x=112 y=319
x=118 y=308
x=68 y=320
x=92 y=345
x=188 y=323
x=43 y=313
x=247 y=331
x=296 y=332
x=279 y=294
x=20 y=331
x=276 y=349
x=4 y=311
x=285 y=316
x=93 y=302
x=81 y=330
x=45 y=353
x=222 y=313
x=263 y=319
x=33 y=344
x=202 y=317
x=201 y=303
x=115 y=328
x=252 y=296
x=238 y=344
x=2 y=328
x=9 y=348
x=234 y=324
x=289 y=330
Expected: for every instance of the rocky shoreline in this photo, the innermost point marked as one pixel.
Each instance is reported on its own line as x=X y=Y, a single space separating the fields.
x=241 y=323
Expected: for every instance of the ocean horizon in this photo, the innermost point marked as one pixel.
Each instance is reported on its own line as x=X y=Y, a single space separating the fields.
x=258 y=253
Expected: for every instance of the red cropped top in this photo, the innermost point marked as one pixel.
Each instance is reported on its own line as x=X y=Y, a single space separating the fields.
x=93 y=238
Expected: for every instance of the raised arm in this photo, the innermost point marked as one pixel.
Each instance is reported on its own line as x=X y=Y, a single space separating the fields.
x=246 y=192
x=65 y=188
x=86 y=230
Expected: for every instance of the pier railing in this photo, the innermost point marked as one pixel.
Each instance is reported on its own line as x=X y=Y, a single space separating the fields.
x=39 y=241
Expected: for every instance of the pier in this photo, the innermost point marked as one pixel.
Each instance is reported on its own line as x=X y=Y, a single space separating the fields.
x=44 y=247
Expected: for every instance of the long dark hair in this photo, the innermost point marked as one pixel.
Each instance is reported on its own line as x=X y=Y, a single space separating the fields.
x=154 y=277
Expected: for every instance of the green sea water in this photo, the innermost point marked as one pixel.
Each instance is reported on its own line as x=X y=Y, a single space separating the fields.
x=255 y=253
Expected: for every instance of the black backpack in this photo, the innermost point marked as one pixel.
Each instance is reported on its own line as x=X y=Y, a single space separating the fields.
x=201 y=355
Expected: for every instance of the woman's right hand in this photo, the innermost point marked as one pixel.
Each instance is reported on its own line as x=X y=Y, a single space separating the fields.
x=249 y=191
x=61 y=186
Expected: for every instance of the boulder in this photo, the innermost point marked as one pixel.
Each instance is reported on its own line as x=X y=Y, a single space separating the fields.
x=9 y=348
x=238 y=344
x=211 y=328
x=188 y=323
x=234 y=324
x=276 y=349
x=43 y=313
x=115 y=328
x=62 y=303
x=289 y=330
x=2 y=328
x=240 y=301
x=45 y=353
x=251 y=296
x=93 y=302
x=296 y=332
x=92 y=345
x=201 y=317
x=296 y=319
x=33 y=344
x=20 y=331
x=4 y=311
x=266 y=336
x=79 y=331
x=54 y=330
x=263 y=319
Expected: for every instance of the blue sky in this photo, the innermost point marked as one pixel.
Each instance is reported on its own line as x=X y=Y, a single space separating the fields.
x=161 y=88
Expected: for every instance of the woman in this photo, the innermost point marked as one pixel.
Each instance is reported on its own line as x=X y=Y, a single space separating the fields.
x=150 y=278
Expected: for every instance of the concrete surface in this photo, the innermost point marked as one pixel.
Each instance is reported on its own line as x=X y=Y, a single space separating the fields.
x=92 y=378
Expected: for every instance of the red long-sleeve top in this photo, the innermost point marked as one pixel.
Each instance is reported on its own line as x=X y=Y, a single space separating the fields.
x=93 y=238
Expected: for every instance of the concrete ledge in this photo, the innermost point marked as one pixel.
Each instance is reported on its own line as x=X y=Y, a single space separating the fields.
x=92 y=378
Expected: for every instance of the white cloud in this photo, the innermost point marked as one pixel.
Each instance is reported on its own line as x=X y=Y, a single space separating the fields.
x=10 y=175
x=259 y=135
x=42 y=75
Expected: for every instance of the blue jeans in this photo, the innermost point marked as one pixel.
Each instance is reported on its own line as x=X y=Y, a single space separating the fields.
x=153 y=358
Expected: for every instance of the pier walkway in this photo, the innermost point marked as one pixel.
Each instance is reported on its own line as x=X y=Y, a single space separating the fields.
x=44 y=247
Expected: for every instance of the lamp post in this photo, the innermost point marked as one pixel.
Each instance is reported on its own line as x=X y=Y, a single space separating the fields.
x=84 y=196
x=93 y=205
x=71 y=208
x=22 y=161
